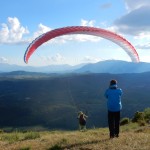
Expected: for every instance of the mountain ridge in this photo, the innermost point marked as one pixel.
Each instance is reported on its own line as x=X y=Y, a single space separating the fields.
x=108 y=66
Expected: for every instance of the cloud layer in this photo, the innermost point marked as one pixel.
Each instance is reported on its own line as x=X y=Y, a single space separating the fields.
x=137 y=21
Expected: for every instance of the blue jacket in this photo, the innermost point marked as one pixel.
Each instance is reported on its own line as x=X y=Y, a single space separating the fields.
x=113 y=96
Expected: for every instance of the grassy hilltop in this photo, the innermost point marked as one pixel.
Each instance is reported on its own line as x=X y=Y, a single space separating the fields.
x=132 y=137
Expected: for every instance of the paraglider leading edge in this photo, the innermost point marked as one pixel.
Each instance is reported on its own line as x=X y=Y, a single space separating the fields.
x=119 y=40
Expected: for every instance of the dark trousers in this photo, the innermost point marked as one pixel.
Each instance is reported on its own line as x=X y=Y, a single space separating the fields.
x=114 y=123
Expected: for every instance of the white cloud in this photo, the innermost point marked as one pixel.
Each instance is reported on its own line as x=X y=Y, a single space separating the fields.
x=135 y=4
x=143 y=46
x=87 y=23
x=12 y=32
x=41 y=29
x=3 y=60
x=91 y=59
x=58 y=58
x=144 y=58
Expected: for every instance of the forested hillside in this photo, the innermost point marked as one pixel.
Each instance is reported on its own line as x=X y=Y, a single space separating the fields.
x=53 y=102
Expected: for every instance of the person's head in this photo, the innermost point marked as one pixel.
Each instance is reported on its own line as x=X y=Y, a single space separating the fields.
x=113 y=84
x=80 y=113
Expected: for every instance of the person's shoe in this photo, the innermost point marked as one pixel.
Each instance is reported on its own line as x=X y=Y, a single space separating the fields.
x=116 y=135
x=111 y=137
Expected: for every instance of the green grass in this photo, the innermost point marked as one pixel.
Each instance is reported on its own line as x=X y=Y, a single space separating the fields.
x=130 y=127
x=18 y=136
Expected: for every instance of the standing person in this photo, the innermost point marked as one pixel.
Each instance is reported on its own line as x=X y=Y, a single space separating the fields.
x=82 y=121
x=113 y=95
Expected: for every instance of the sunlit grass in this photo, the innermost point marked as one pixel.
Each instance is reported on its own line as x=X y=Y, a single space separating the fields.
x=18 y=136
x=132 y=137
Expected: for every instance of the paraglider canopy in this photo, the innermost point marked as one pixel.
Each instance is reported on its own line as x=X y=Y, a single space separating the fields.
x=119 y=40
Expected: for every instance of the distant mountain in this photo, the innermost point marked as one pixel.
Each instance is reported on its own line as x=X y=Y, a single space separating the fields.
x=109 y=66
x=46 y=69
x=115 y=67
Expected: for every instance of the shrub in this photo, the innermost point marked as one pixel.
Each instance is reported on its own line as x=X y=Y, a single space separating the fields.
x=124 y=121
x=147 y=114
x=31 y=135
x=138 y=116
x=1 y=131
x=142 y=123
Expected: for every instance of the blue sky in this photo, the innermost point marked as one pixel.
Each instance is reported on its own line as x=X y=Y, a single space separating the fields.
x=21 y=21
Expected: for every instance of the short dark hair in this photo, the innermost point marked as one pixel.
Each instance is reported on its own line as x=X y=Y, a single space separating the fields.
x=112 y=82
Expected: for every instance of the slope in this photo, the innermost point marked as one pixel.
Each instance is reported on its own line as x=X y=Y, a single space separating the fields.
x=132 y=137
x=53 y=102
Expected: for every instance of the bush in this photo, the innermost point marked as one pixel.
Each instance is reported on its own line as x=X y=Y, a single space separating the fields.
x=138 y=116
x=147 y=114
x=124 y=121
x=31 y=135
x=1 y=131
x=142 y=123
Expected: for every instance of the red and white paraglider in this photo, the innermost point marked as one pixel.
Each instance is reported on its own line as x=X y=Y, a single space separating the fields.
x=119 y=40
